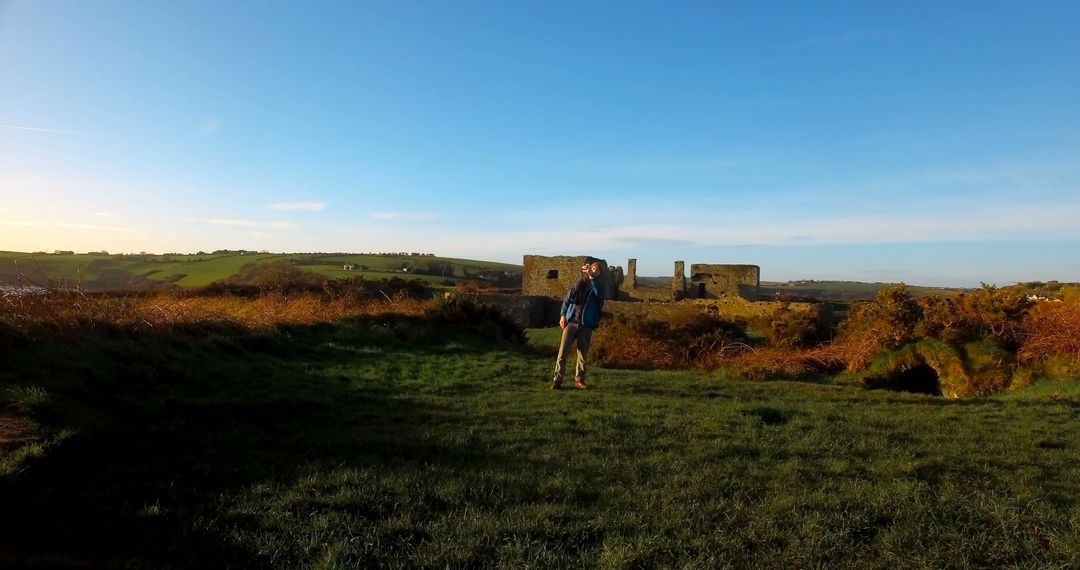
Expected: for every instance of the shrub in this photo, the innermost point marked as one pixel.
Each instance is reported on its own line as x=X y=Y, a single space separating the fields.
x=780 y=363
x=694 y=340
x=895 y=319
x=990 y=367
x=279 y=278
x=886 y=322
x=987 y=312
x=358 y=288
x=24 y=318
x=786 y=328
x=482 y=320
x=1057 y=368
x=1051 y=330
x=891 y=317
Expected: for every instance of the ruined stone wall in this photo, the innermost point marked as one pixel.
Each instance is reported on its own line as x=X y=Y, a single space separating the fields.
x=716 y=281
x=553 y=276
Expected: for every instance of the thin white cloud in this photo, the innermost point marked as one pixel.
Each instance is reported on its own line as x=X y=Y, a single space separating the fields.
x=737 y=229
x=302 y=206
x=104 y=214
x=404 y=216
x=952 y=189
x=93 y=227
x=20 y=223
x=210 y=126
x=40 y=130
x=228 y=222
x=651 y=241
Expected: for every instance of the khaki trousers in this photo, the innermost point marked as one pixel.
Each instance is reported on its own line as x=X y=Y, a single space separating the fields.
x=574 y=334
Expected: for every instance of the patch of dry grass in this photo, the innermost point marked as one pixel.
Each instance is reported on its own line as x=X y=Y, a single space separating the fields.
x=1051 y=330
x=62 y=311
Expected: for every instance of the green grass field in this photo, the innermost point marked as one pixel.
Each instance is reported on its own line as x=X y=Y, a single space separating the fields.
x=69 y=268
x=385 y=443
x=845 y=290
x=192 y=271
x=197 y=272
x=821 y=290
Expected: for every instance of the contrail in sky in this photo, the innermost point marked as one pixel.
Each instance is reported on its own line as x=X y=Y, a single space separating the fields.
x=40 y=130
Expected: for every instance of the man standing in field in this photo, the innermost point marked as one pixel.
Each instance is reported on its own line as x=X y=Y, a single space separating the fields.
x=579 y=316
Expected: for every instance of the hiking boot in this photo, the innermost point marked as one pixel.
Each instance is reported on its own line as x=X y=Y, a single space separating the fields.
x=556 y=384
x=580 y=385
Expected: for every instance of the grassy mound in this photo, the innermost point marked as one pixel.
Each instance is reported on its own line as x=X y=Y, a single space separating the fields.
x=934 y=367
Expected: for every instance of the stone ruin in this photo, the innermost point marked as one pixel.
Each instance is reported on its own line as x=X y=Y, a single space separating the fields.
x=552 y=276
x=712 y=281
x=716 y=288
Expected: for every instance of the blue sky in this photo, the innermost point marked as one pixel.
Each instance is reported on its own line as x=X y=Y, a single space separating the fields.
x=934 y=142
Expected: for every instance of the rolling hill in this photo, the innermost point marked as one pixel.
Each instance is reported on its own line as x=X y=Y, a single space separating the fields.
x=101 y=271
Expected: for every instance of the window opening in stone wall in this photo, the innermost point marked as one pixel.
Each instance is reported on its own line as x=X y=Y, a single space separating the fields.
x=553 y=274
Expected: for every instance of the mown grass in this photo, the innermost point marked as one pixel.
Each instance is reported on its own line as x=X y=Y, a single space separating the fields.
x=387 y=441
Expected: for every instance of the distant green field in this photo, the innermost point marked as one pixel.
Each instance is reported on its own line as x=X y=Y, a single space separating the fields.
x=821 y=290
x=844 y=290
x=190 y=271
x=338 y=273
x=66 y=267
x=197 y=272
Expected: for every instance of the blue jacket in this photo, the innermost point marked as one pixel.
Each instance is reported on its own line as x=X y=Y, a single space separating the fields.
x=590 y=316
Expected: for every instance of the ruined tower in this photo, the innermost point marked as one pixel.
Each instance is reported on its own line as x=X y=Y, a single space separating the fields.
x=678 y=283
